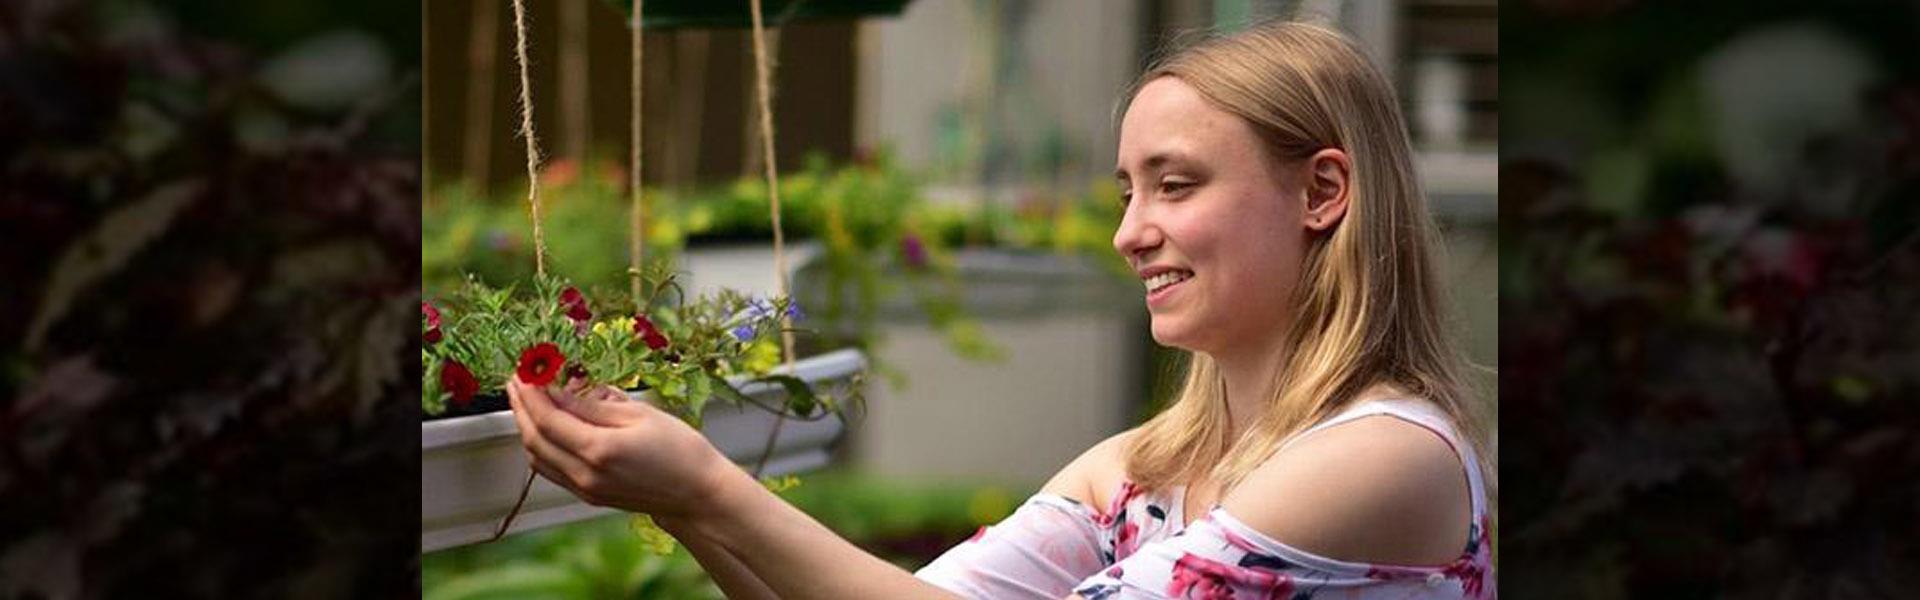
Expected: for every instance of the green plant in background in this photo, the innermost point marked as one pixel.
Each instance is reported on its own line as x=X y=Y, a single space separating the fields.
x=864 y=218
x=907 y=523
x=465 y=234
x=1067 y=224
x=590 y=559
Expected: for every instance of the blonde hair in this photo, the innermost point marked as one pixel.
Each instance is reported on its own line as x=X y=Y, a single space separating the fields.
x=1368 y=309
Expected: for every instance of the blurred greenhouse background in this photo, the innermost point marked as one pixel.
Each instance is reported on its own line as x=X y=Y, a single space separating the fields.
x=948 y=202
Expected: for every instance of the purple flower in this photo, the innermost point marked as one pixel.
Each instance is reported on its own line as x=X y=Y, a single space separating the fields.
x=743 y=333
x=793 y=311
x=499 y=240
x=915 y=252
x=759 y=308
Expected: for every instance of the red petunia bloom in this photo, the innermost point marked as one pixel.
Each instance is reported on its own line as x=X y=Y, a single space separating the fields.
x=648 y=332
x=575 y=304
x=541 y=363
x=433 y=322
x=458 y=381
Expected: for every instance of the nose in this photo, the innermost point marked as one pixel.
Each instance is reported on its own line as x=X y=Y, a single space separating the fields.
x=1138 y=234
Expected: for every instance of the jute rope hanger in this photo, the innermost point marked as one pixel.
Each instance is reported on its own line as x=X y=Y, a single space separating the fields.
x=635 y=248
x=533 y=205
x=762 y=85
x=526 y=131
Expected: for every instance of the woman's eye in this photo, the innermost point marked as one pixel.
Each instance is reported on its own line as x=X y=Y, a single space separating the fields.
x=1174 y=187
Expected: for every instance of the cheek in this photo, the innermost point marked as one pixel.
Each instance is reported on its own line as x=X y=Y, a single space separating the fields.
x=1260 y=267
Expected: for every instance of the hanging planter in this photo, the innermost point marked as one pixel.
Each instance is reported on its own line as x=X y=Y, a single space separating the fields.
x=471 y=466
x=671 y=14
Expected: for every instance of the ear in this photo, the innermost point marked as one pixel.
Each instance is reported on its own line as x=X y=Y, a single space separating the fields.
x=1329 y=183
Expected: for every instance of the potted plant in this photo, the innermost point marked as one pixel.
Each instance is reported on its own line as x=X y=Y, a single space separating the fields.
x=683 y=355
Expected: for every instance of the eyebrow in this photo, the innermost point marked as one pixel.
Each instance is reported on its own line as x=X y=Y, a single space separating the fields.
x=1154 y=161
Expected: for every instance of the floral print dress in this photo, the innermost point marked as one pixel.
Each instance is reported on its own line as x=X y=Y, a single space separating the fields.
x=1137 y=548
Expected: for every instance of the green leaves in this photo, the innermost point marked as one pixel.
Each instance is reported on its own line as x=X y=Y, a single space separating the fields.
x=800 y=398
x=709 y=339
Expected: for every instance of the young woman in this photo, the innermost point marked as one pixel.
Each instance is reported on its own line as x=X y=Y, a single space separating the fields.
x=1324 y=440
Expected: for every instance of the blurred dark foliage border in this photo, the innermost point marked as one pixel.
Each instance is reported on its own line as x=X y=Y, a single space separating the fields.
x=1710 y=299
x=209 y=287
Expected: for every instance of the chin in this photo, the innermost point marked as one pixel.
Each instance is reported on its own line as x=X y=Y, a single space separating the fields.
x=1171 y=335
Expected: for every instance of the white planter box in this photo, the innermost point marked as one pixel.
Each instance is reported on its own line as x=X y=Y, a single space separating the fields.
x=471 y=468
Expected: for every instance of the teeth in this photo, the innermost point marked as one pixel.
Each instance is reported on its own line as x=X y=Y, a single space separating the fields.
x=1166 y=279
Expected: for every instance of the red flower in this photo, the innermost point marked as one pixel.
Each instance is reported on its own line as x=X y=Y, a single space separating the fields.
x=647 y=331
x=457 y=380
x=560 y=173
x=433 y=322
x=541 y=363
x=575 y=304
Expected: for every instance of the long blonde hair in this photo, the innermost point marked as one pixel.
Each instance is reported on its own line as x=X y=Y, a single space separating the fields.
x=1368 y=309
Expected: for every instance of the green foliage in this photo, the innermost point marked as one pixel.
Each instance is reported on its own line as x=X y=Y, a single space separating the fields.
x=588 y=560
x=874 y=512
x=652 y=538
x=706 y=340
x=587 y=233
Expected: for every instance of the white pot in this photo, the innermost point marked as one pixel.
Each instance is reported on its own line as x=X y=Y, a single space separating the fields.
x=471 y=468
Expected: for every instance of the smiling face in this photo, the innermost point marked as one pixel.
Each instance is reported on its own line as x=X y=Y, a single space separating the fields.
x=1214 y=223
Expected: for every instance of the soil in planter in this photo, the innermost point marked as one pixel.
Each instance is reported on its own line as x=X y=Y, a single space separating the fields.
x=481 y=404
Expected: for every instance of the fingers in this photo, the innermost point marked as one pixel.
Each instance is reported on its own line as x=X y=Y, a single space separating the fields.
x=606 y=406
x=561 y=479
x=558 y=426
x=537 y=444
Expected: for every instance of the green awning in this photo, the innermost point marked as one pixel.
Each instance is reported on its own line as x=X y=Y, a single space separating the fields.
x=674 y=14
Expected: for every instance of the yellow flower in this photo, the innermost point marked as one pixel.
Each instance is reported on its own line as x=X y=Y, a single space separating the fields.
x=762 y=356
x=613 y=326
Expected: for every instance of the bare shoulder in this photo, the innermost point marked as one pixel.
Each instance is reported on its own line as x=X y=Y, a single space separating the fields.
x=1377 y=489
x=1090 y=478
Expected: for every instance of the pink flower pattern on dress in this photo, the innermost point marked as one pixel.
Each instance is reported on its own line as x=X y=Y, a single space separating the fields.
x=1196 y=577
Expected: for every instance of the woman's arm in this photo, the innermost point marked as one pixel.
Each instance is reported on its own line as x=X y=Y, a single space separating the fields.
x=733 y=577
x=795 y=556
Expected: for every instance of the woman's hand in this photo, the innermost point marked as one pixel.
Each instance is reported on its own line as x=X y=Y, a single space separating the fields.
x=611 y=451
